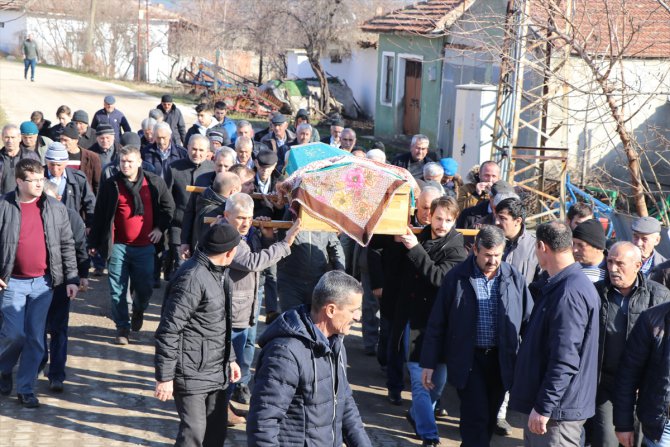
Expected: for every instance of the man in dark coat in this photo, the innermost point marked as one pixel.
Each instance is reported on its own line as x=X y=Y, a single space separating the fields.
x=194 y=361
x=112 y=116
x=428 y=257
x=87 y=136
x=301 y=371
x=174 y=118
x=10 y=155
x=132 y=211
x=106 y=145
x=555 y=379
x=416 y=158
x=475 y=325
x=164 y=150
x=36 y=254
x=643 y=380
x=624 y=295
x=179 y=175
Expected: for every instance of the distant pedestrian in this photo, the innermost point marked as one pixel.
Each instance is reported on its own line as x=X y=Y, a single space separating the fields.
x=556 y=375
x=109 y=114
x=194 y=360
x=37 y=255
x=301 y=372
x=30 y=56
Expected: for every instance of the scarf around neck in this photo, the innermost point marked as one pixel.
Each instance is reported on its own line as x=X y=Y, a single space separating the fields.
x=134 y=188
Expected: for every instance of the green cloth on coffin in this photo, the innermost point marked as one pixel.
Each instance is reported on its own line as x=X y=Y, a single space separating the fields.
x=304 y=154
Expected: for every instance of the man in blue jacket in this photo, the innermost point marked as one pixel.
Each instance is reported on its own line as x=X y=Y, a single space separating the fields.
x=555 y=380
x=301 y=394
x=109 y=114
x=475 y=325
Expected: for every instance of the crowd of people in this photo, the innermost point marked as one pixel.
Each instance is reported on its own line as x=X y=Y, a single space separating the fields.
x=556 y=323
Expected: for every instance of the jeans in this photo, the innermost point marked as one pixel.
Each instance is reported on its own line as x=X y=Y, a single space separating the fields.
x=29 y=63
x=57 y=323
x=663 y=442
x=250 y=345
x=370 y=318
x=134 y=263
x=239 y=339
x=98 y=262
x=25 y=304
x=203 y=419
x=423 y=401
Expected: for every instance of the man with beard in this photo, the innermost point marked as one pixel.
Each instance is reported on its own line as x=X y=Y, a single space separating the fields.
x=132 y=211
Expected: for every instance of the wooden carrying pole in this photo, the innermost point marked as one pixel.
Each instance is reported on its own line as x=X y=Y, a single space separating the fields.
x=286 y=224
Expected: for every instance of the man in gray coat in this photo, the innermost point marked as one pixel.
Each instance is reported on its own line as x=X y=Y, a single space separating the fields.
x=30 y=56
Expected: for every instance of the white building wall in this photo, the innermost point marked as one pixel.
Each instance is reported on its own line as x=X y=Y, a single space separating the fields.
x=359 y=71
x=12 y=32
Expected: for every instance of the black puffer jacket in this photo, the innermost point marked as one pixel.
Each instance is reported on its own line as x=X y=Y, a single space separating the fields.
x=643 y=380
x=62 y=260
x=301 y=394
x=193 y=339
x=647 y=294
x=100 y=237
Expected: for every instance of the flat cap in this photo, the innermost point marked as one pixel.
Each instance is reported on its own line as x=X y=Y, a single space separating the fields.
x=109 y=99
x=646 y=225
x=104 y=129
x=267 y=158
x=279 y=118
x=166 y=98
x=219 y=239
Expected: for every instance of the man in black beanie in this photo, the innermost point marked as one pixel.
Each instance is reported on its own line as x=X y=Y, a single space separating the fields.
x=194 y=361
x=588 y=246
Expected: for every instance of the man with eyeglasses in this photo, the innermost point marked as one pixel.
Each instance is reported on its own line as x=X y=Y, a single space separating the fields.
x=35 y=257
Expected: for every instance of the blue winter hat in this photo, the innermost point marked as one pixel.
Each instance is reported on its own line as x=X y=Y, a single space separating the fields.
x=450 y=166
x=29 y=128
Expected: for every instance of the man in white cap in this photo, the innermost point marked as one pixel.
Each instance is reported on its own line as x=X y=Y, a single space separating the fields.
x=647 y=235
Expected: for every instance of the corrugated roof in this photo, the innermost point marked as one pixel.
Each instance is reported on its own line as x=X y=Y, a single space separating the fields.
x=428 y=17
x=639 y=28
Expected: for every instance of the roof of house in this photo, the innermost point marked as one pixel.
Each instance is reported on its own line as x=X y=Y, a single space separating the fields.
x=639 y=29
x=156 y=11
x=427 y=17
x=12 y=5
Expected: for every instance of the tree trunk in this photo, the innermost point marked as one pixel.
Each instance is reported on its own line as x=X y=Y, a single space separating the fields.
x=260 y=68
x=631 y=154
x=315 y=63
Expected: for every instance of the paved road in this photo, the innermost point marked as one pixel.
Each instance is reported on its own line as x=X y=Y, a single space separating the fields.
x=108 y=397
x=53 y=88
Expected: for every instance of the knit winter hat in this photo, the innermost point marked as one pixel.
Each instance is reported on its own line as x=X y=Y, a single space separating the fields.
x=57 y=153
x=591 y=231
x=80 y=116
x=450 y=166
x=219 y=239
x=71 y=131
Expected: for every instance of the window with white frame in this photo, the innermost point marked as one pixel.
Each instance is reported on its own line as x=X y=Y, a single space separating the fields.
x=388 y=64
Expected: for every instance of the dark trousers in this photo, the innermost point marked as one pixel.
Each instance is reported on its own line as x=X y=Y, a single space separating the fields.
x=480 y=399
x=600 y=428
x=203 y=419
x=396 y=357
x=57 y=323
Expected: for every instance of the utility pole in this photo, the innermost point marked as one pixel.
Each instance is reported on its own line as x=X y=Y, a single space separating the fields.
x=89 y=57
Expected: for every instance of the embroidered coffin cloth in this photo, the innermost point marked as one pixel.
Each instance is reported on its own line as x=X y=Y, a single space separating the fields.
x=349 y=193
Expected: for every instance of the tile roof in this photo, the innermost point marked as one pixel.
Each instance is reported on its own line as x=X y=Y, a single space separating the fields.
x=639 y=28
x=427 y=17
x=12 y=5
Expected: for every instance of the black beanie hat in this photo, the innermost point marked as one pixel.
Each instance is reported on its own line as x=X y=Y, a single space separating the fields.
x=591 y=231
x=219 y=239
x=71 y=131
